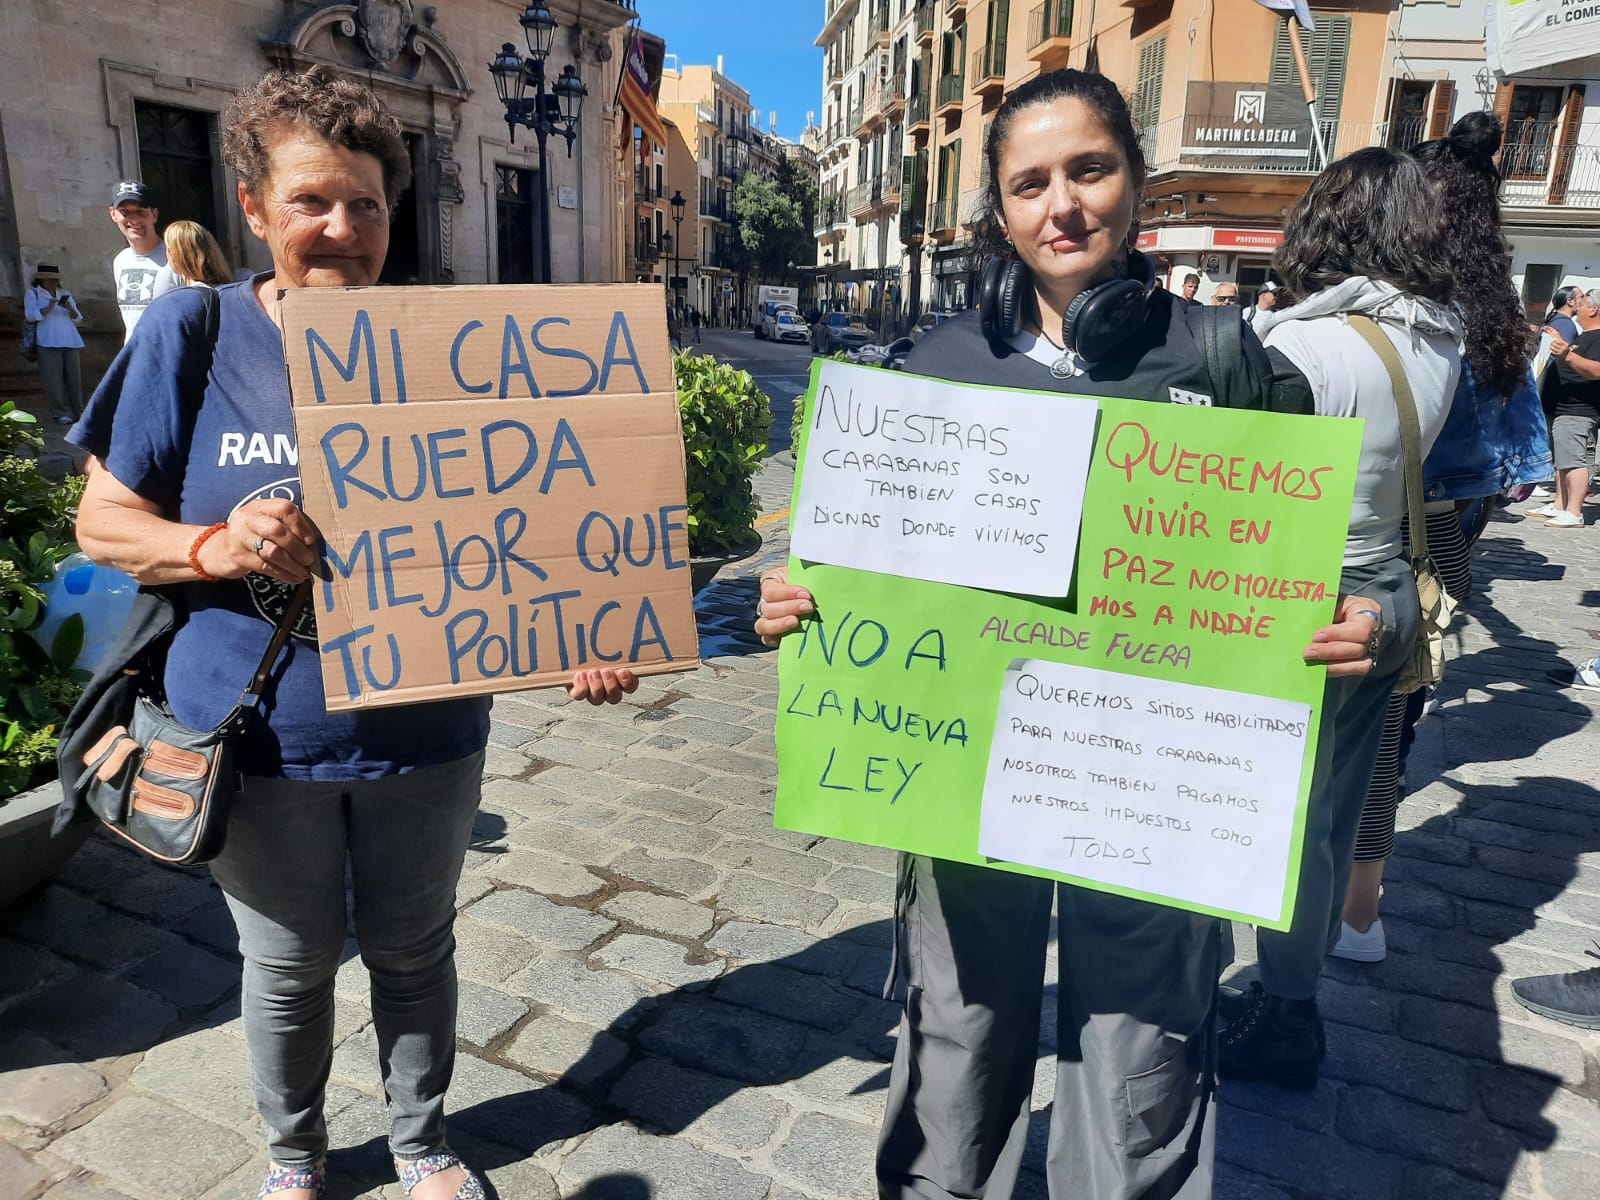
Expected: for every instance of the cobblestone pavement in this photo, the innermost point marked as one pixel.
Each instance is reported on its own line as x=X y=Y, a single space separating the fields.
x=663 y=996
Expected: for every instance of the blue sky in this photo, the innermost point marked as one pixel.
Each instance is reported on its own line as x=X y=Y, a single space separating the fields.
x=765 y=45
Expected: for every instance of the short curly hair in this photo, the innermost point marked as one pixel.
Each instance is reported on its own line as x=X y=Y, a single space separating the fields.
x=1372 y=213
x=323 y=102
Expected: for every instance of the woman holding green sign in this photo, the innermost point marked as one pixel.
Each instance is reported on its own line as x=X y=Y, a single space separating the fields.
x=1067 y=305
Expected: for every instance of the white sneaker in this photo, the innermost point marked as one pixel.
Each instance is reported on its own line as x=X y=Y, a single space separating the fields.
x=1541 y=493
x=1368 y=947
x=1564 y=520
x=1585 y=675
x=1544 y=510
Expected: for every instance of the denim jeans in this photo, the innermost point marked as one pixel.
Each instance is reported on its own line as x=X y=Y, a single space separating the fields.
x=282 y=871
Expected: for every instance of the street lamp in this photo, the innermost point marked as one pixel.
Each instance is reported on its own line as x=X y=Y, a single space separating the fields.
x=827 y=257
x=677 y=203
x=544 y=112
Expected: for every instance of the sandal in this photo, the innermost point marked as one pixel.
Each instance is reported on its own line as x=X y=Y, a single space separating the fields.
x=287 y=1179
x=414 y=1171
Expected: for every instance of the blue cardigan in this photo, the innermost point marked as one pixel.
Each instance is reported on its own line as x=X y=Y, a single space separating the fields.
x=1488 y=443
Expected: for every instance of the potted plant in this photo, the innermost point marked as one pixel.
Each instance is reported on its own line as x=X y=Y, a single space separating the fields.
x=38 y=684
x=725 y=423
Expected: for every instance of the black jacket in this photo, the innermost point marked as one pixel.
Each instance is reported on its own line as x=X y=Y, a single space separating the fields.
x=1168 y=351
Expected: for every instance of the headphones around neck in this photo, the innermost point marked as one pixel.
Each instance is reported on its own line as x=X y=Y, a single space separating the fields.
x=1097 y=321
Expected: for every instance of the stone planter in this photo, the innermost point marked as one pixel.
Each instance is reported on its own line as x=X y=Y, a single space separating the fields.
x=28 y=854
x=703 y=568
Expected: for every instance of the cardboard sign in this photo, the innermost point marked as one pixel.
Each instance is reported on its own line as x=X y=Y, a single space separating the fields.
x=1210 y=552
x=498 y=476
x=934 y=481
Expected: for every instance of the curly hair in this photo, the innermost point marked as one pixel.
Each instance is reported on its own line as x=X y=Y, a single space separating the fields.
x=323 y=102
x=1096 y=91
x=1372 y=213
x=1462 y=167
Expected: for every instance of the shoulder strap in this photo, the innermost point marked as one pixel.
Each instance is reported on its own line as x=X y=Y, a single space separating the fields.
x=280 y=635
x=1410 y=429
x=1220 y=333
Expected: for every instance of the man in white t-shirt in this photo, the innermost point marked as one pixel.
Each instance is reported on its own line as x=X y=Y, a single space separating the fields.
x=140 y=271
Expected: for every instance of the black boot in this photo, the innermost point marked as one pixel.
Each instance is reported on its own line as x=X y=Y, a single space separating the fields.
x=1573 y=998
x=1273 y=1040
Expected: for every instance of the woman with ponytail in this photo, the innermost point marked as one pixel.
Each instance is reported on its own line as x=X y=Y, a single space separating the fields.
x=1493 y=439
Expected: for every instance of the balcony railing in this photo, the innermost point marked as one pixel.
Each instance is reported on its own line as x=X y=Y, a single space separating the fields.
x=835 y=68
x=894 y=93
x=830 y=211
x=710 y=206
x=645 y=248
x=858 y=199
x=878 y=21
x=924 y=25
x=989 y=67
x=954 y=7
x=1050 y=21
x=951 y=89
x=944 y=216
x=857 y=117
x=918 y=109
x=1539 y=175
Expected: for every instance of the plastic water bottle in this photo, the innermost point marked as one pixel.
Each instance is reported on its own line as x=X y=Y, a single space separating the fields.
x=102 y=595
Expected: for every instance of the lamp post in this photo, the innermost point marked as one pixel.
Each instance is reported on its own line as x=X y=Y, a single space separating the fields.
x=544 y=112
x=827 y=257
x=677 y=203
x=914 y=242
x=666 y=246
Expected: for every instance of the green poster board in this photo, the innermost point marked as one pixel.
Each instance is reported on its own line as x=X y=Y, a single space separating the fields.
x=1209 y=553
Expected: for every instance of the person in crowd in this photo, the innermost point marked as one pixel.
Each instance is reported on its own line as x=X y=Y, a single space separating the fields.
x=59 y=341
x=1493 y=439
x=1226 y=293
x=1191 y=287
x=1266 y=301
x=1563 y=318
x=674 y=327
x=194 y=255
x=388 y=792
x=694 y=323
x=1368 y=238
x=140 y=269
x=1576 y=364
x=1134 y=1113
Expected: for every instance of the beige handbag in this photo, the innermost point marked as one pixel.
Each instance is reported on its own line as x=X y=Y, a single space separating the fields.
x=1426 y=665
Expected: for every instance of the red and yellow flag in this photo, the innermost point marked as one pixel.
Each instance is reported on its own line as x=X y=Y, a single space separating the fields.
x=636 y=94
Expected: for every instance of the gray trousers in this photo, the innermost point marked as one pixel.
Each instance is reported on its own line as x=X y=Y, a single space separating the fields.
x=283 y=872
x=1134 y=1115
x=1347 y=749
x=63 y=382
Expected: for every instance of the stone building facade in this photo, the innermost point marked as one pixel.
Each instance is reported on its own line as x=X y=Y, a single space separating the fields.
x=96 y=92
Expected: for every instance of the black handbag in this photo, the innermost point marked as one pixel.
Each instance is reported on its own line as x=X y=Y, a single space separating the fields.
x=124 y=757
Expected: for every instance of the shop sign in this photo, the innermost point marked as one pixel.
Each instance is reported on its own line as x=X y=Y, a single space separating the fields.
x=1247 y=126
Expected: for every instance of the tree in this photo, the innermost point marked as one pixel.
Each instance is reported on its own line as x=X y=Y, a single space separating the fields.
x=774 y=218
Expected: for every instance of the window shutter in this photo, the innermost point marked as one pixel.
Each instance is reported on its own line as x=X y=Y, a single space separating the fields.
x=1147 y=91
x=1444 y=98
x=1327 y=55
x=1568 y=144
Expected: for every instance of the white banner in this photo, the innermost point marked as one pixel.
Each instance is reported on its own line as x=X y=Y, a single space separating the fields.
x=1167 y=789
x=1525 y=35
x=930 y=480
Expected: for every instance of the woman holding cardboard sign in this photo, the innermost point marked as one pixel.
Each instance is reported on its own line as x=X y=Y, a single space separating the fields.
x=1067 y=305
x=200 y=494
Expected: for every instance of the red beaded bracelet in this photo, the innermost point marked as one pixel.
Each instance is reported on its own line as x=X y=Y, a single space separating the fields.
x=194 y=551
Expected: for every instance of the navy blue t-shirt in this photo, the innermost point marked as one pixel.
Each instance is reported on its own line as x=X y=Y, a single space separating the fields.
x=243 y=448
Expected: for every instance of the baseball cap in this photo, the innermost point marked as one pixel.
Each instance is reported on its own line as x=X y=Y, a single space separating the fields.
x=1269 y=286
x=129 y=189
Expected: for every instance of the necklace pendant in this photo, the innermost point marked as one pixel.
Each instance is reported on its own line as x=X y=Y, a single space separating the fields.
x=1064 y=367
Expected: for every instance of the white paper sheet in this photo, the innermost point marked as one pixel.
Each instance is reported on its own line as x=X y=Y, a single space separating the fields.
x=1181 y=792
x=928 y=480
